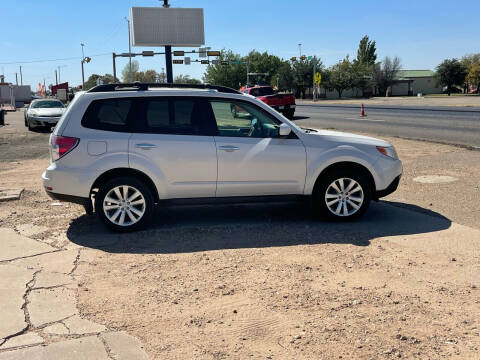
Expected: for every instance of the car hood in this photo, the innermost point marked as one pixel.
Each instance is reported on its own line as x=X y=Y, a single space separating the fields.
x=48 y=111
x=347 y=138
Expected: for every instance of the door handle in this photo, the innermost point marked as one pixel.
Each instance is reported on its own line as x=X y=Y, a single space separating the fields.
x=145 y=146
x=228 y=148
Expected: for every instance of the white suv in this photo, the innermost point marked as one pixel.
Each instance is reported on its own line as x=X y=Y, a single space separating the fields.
x=127 y=147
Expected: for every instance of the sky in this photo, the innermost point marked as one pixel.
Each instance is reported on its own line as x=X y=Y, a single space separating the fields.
x=421 y=33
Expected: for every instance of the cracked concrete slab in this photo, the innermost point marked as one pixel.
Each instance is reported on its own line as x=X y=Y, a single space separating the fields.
x=28 y=339
x=17 y=246
x=56 y=329
x=30 y=229
x=124 y=346
x=10 y=194
x=80 y=326
x=51 y=305
x=87 y=348
x=60 y=262
x=13 y=285
x=48 y=279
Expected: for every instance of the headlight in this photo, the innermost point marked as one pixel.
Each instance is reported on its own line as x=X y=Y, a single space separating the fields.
x=388 y=151
x=32 y=113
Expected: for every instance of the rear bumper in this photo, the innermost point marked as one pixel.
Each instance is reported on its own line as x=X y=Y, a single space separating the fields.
x=68 y=198
x=284 y=107
x=390 y=188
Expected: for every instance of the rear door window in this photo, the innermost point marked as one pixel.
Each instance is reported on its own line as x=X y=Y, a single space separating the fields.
x=177 y=116
x=108 y=114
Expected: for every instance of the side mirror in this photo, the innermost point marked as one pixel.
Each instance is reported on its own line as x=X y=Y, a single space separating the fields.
x=284 y=130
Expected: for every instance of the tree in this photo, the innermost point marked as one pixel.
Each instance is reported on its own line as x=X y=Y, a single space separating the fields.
x=468 y=61
x=384 y=73
x=186 y=79
x=284 y=79
x=232 y=75
x=303 y=74
x=126 y=71
x=93 y=79
x=451 y=72
x=341 y=76
x=366 y=53
x=473 y=76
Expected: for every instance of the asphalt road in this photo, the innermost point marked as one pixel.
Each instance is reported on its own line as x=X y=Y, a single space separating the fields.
x=450 y=126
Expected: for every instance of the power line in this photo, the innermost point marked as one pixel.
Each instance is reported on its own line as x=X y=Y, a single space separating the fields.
x=50 y=60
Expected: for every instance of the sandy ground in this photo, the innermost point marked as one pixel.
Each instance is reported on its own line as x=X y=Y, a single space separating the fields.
x=273 y=282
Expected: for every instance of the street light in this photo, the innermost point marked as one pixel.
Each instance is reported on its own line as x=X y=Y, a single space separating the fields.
x=83 y=59
x=300 y=49
x=129 y=51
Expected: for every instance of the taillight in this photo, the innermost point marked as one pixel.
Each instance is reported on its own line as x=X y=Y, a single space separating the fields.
x=62 y=145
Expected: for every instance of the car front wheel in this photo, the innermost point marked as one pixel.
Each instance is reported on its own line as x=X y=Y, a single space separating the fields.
x=343 y=195
x=124 y=204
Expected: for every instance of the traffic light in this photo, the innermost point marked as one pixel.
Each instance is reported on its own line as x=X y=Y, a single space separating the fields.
x=224 y=62
x=178 y=53
x=213 y=53
x=87 y=59
x=303 y=57
x=293 y=58
x=205 y=62
x=175 y=61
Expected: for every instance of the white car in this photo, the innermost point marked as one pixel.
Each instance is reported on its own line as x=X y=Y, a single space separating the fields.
x=44 y=113
x=128 y=147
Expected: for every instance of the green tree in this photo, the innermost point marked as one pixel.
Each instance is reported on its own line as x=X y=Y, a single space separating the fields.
x=366 y=53
x=93 y=79
x=232 y=75
x=303 y=74
x=284 y=78
x=341 y=76
x=451 y=72
x=384 y=73
x=126 y=71
x=473 y=76
x=186 y=79
x=468 y=61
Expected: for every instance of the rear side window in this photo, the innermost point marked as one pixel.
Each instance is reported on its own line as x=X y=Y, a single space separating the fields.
x=182 y=116
x=108 y=114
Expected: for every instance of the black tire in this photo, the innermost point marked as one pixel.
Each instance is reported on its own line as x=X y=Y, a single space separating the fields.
x=30 y=127
x=139 y=185
x=289 y=114
x=319 y=196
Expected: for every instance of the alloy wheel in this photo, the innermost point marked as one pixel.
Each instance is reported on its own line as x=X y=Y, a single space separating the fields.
x=344 y=197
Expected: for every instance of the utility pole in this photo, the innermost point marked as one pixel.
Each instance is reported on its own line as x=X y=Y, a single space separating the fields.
x=129 y=52
x=56 y=78
x=314 y=93
x=83 y=73
x=114 y=68
x=21 y=76
x=168 y=53
x=16 y=79
x=300 y=49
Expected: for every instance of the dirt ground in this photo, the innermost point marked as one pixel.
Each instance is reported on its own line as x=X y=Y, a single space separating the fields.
x=273 y=282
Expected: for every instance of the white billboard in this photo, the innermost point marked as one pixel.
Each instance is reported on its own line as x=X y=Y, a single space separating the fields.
x=156 y=26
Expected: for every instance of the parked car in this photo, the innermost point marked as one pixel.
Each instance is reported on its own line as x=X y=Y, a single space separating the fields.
x=474 y=91
x=284 y=103
x=43 y=113
x=128 y=147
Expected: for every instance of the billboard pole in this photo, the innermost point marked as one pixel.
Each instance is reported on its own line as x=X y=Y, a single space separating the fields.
x=168 y=53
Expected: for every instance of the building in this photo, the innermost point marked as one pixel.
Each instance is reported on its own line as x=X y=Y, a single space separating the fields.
x=413 y=82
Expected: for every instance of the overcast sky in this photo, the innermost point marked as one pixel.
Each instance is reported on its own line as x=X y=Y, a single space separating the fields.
x=422 y=33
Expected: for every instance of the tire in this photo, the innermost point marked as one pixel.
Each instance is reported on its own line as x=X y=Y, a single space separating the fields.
x=30 y=127
x=112 y=213
x=289 y=114
x=326 y=190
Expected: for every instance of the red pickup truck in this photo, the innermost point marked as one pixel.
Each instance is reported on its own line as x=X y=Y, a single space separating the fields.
x=284 y=103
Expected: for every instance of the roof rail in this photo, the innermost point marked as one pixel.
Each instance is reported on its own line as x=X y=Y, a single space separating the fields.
x=139 y=86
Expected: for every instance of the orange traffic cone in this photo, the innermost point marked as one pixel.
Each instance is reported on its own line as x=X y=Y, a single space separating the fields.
x=362 y=111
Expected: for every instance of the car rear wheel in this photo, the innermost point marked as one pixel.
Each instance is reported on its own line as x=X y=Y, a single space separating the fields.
x=124 y=204
x=289 y=113
x=343 y=195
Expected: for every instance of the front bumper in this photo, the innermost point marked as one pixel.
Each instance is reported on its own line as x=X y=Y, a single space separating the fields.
x=43 y=121
x=68 y=198
x=281 y=108
x=390 y=188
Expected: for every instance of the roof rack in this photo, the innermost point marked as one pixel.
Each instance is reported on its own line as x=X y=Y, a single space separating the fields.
x=138 y=86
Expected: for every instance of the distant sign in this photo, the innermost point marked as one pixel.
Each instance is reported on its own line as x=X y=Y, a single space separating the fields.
x=156 y=26
x=318 y=78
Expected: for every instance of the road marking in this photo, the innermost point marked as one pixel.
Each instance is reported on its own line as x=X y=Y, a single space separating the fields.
x=362 y=119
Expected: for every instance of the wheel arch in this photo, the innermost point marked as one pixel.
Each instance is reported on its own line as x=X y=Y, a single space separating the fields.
x=346 y=165
x=119 y=172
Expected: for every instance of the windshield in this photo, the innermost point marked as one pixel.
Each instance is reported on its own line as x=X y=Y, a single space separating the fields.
x=47 y=104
